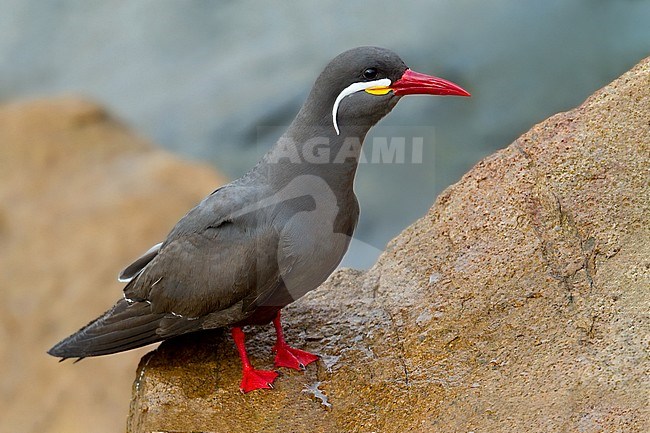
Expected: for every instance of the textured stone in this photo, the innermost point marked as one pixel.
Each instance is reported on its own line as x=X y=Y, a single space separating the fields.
x=518 y=303
x=80 y=197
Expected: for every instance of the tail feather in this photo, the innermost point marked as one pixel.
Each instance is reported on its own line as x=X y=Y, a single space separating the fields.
x=123 y=327
x=124 y=341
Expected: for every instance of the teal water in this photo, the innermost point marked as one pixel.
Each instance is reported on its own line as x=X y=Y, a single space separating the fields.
x=218 y=81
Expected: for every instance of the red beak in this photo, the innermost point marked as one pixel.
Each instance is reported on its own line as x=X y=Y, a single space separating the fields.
x=415 y=83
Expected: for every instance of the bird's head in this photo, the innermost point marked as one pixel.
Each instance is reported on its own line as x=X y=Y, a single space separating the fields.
x=363 y=84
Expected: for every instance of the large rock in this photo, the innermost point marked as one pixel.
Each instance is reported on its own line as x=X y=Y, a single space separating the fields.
x=518 y=303
x=80 y=196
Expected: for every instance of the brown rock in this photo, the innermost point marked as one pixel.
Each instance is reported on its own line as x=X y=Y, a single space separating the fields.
x=80 y=196
x=518 y=303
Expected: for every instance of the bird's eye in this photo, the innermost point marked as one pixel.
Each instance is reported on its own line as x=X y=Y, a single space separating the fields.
x=370 y=73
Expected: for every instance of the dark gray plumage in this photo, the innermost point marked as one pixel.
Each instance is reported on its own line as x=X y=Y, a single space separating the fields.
x=257 y=244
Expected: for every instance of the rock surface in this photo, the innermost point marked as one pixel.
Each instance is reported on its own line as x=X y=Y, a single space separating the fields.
x=80 y=197
x=518 y=303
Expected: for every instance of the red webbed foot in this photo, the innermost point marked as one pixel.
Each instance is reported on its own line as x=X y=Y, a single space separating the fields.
x=289 y=357
x=286 y=356
x=256 y=379
x=251 y=379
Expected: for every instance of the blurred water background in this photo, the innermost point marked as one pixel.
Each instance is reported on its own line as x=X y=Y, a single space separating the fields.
x=218 y=81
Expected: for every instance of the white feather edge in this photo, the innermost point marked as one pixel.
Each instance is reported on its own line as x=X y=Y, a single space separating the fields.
x=354 y=88
x=150 y=250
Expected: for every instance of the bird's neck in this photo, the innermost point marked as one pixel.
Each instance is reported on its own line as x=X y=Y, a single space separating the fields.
x=311 y=146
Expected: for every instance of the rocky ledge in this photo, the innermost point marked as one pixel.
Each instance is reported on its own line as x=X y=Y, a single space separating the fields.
x=518 y=303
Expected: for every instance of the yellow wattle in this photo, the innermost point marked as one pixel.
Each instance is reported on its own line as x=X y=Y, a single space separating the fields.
x=378 y=90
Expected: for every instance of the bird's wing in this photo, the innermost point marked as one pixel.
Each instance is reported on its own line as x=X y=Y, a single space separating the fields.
x=138 y=265
x=134 y=269
x=217 y=255
x=209 y=263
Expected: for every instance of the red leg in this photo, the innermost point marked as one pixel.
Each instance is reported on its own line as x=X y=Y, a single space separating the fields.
x=286 y=356
x=251 y=379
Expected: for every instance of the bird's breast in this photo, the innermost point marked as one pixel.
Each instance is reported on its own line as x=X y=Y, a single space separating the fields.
x=312 y=244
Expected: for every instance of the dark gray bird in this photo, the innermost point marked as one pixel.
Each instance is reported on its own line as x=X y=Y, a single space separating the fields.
x=264 y=240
